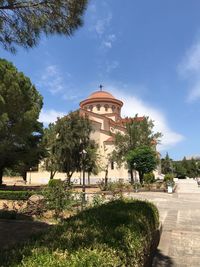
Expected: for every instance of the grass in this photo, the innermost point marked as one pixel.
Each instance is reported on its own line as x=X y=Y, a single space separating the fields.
x=119 y=233
x=15 y=195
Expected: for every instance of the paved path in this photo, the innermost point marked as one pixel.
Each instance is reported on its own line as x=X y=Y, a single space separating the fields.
x=180 y=215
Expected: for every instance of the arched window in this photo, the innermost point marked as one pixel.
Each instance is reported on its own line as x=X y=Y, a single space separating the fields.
x=106 y=107
x=98 y=107
x=90 y=107
x=113 y=108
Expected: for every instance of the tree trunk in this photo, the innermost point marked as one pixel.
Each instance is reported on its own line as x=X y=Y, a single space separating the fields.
x=132 y=178
x=1 y=176
x=24 y=176
x=69 y=175
x=52 y=174
x=106 y=178
x=141 y=176
x=88 y=178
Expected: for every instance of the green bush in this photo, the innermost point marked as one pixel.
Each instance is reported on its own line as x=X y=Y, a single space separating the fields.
x=119 y=233
x=54 y=182
x=115 y=186
x=58 y=197
x=149 y=178
x=15 y=195
x=168 y=177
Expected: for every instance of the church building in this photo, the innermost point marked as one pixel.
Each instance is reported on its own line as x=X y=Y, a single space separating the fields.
x=104 y=112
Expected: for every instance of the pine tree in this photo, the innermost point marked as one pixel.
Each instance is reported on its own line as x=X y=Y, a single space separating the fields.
x=23 y=21
x=20 y=105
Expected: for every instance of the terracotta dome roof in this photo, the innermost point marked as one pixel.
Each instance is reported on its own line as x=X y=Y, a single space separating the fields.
x=101 y=94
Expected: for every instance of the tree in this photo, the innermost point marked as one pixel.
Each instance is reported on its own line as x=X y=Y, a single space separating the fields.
x=143 y=159
x=139 y=132
x=33 y=153
x=51 y=161
x=72 y=138
x=23 y=21
x=91 y=160
x=20 y=105
x=166 y=164
x=179 y=170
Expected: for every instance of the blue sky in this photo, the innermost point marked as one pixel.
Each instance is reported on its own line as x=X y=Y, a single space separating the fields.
x=146 y=53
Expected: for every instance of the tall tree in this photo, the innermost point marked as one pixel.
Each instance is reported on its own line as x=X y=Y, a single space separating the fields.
x=143 y=159
x=139 y=132
x=20 y=105
x=23 y=21
x=166 y=164
x=72 y=139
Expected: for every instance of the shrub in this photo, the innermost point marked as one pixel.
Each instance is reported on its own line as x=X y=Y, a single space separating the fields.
x=115 y=186
x=119 y=233
x=149 y=178
x=15 y=195
x=168 y=177
x=57 y=197
x=54 y=182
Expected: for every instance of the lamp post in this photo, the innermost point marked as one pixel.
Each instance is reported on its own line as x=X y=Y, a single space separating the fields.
x=84 y=153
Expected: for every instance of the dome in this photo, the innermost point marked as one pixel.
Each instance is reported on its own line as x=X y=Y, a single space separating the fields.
x=101 y=94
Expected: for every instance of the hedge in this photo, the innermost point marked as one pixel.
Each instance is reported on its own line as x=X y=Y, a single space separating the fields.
x=119 y=233
x=15 y=195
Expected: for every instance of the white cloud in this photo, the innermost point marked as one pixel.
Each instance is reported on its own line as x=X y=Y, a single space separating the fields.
x=134 y=105
x=49 y=116
x=102 y=24
x=111 y=66
x=190 y=69
x=52 y=79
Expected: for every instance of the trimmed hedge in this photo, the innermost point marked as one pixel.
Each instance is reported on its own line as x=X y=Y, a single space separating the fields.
x=119 y=233
x=15 y=195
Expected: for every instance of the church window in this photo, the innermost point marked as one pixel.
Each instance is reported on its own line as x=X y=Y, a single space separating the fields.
x=90 y=107
x=106 y=107
x=98 y=107
x=113 y=108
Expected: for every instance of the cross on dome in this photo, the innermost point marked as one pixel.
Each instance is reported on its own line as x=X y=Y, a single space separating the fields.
x=100 y=86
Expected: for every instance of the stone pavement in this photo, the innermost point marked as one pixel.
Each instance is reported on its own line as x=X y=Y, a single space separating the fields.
x=180 y=215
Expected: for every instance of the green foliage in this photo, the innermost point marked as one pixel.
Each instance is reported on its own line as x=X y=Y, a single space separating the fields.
x=166 y=164
x=55 y=183
x=168 y=177
x=115 y=186
x=98 y=200
x=20 y=131
x=51 y=161
x=149 y=178
x=15 y=195
x=118 y=233
x=139 y=132
x=187 y=168
x=143 y=159
x=179 y=170
x=69 y=146
x=57 y=197
x=23 y=22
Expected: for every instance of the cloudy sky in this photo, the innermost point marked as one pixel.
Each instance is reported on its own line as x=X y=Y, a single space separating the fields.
x=147 y=53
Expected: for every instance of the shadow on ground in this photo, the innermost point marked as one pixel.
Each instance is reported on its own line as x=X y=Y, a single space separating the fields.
x=161 y=260
x=13 y=232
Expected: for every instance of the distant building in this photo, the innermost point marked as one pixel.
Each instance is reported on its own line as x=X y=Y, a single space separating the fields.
x=104 y=112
